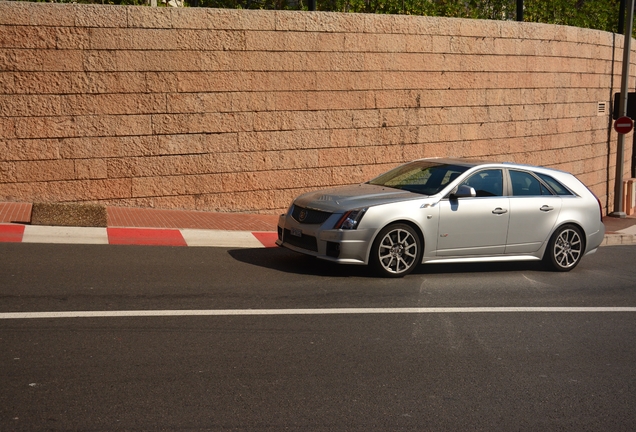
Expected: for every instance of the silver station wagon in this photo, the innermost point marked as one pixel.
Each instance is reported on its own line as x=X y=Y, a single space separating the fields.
x=448 y=211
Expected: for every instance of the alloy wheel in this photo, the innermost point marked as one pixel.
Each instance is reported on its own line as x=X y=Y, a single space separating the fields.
x=566 y=248
x=397 y=251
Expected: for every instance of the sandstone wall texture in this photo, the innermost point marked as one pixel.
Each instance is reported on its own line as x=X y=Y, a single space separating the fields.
x=240 y=111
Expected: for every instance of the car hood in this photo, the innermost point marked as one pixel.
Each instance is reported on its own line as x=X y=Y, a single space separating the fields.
x=351 y=197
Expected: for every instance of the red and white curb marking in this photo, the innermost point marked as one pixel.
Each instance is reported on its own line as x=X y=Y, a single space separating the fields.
x=13 y=233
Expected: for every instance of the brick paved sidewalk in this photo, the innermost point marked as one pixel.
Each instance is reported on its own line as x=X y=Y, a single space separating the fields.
x=155 y=218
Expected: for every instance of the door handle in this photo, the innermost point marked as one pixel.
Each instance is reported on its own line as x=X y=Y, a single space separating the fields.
x=499 y=211
x=546 y=208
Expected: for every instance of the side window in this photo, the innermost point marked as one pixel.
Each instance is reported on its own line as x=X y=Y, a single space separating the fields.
x=524 y=184
x=487 y=183
x=555 y=185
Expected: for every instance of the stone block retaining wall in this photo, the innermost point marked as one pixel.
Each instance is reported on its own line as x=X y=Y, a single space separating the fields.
x=240 y=111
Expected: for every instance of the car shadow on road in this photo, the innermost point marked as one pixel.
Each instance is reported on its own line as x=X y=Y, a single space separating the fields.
x=291 y=262
x=287 y=261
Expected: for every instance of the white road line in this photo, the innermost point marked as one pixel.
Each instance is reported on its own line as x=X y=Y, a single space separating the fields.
x=336 y=311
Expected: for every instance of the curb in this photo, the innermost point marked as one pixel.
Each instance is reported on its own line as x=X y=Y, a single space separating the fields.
x=16 y=233
x=617 y=239
x=13 y=233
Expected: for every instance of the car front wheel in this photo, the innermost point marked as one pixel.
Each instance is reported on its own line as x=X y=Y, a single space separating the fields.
x=396 y=250
x=565 y=249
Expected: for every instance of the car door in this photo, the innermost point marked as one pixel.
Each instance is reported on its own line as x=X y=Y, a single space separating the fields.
x=475 y=225
x=534 y=210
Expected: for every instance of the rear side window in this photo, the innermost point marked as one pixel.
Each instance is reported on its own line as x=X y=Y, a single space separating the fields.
x=525 y=184
x=555 y=185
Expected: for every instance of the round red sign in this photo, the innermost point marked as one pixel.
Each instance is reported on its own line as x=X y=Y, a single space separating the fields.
x=624 y=125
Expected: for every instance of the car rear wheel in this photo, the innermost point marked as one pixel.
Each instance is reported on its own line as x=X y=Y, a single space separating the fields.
x=565 y=249
x=396 y=251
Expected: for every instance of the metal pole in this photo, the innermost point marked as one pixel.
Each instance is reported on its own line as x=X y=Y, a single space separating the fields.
x=620 y=148
x=622 y=8
x=519 y=10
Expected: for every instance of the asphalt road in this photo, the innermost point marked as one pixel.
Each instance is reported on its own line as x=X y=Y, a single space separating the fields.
x=522 y=371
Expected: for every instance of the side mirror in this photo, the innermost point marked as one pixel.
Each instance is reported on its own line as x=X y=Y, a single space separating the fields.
x=463 y=191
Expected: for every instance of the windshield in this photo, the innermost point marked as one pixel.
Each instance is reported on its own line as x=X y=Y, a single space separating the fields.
x=423 y=177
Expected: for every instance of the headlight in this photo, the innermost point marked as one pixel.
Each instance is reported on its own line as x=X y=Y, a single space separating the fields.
x=350 y=220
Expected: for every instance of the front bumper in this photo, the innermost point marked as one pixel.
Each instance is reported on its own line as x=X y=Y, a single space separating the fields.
x=340 y=246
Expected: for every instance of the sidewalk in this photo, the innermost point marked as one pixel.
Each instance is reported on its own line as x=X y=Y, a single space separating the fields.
x=137 y=226
x=140 y=226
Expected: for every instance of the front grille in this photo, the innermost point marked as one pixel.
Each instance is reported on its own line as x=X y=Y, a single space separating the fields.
x=309 y=216
x=305 y=242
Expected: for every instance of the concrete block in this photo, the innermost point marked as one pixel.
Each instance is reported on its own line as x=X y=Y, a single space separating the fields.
x=149 y=17
x=114 y=38
x=101 y=15
x=91 y=169
x=448 y=27
x=336 y=100
x=158 y=186
x=119 y=125
x=381 y=24
x=406 y=24
x=203 y=183
x=102 y=61
x=41 y=60
x=43 y=170
x=7 y=172
x=292 y=20
x=72 y=38
x=43 y=14
x=27 y=37
x=29 y=105
x=332 y=22
x=72 y=214
x=178 y=144
x=15 y=13
x=113 y=104
x=391 y=42
x=479 y=29
x=190 y=18
x=29 y=150
x=418 y=43
x=222 y=19
x=120 y=167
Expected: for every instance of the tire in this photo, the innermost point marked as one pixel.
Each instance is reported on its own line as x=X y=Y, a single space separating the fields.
x=565 y=249
x=396 y=251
